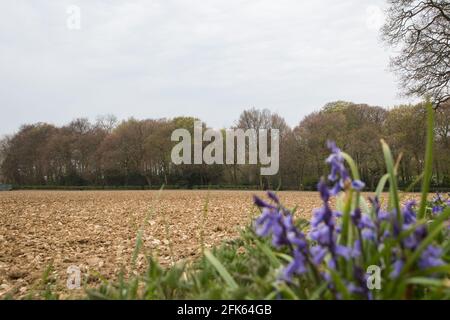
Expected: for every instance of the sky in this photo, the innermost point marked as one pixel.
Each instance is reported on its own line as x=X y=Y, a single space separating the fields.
x=211 y=59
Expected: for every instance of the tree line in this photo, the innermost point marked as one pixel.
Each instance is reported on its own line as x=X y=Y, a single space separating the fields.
x=138 y=152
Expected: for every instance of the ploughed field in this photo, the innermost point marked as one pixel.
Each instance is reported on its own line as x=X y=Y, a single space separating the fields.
x=96 y=231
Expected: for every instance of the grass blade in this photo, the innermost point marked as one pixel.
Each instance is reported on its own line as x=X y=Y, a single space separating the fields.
x=392 y=180
x=226 y=276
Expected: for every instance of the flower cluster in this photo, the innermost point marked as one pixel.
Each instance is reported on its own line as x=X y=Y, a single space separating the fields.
x=277 y=221
x=439 y=203
x=339 y=174
x=324 y=232
x=327 y=249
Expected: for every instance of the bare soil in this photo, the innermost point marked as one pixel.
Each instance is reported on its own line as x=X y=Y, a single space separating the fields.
x=96 y=231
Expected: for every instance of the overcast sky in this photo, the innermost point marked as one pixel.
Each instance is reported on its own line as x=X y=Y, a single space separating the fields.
x=205 y=58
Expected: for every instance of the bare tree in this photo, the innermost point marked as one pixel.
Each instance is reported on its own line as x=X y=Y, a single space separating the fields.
x=106 y=122
x=420 y=29
x=4 y=141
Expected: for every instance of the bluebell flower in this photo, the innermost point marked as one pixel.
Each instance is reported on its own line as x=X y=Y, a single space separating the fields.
x=343 y=251
x=437 y=210
x=278 y=222
x=409 y=215
x=398 y=266
x=359 y=287
x=323 y=234
x=358 y=185
x=431 y=257
x=365 y=224
x=273 y=196
x=355 y=289
x=413 y=240
x=261 y=203
x=380 y=214
x=295 y=267
x=386 y=234
x=318 y=254
x=369 y=235
x=357 y=249
x=356 y=216
x=323 y=191
x=339 y=174
x=265 y=222
x=332 y=264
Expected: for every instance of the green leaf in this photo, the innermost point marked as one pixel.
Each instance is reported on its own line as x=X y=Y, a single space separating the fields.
x=318 y=292
x=364 y=207
x=226 y=276
x=284 y=256
x=392 y=180
x=283 y=288
x=137 y=248
x=428 y=282
x=340 y=286
x=269 y=253
x=381 y=184
x=352 y=165
x=340 y=203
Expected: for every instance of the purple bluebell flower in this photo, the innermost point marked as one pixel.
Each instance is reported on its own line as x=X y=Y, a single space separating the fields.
x=410 y=242
x=386 y=234
x=323 y=191
x=431 y=257
x=381 y=215
x=358 y=185
x=395 y=226
x=319 y=215
x=398 y=266
x=369 y=235
x=339 y=174
x=263 y=223
x=323 y=234
x=279 y=233
x=359 y=287
x=344 y=252
x=318 y=254
x=437 y=210
x=439 y=204
x=356 y=216
x=273 y=197
x=365 y=225
x=295 y=267
x=332 y=264
x=278 y=222
x=409 y=215
x=357 y=249
x=413 y=240
x=366 y=222
x=355 y=289
x=261 y=203
x=437 y=198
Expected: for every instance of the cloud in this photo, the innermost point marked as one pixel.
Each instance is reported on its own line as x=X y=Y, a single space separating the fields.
x=209 y=59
